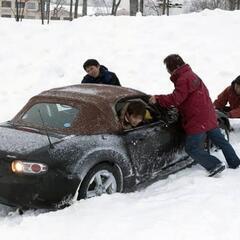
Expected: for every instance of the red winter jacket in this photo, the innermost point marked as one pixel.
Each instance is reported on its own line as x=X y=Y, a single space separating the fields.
x=229 y=96
x=192 y=99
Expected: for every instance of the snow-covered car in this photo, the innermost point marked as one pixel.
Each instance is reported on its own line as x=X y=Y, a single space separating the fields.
x=68 y=143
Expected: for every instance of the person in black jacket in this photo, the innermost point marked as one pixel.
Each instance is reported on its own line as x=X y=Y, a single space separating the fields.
x=99 y=74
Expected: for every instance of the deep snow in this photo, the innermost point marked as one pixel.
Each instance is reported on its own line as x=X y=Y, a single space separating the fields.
x=187 y=205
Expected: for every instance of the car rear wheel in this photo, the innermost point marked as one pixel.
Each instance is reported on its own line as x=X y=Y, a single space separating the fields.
x=101 y=179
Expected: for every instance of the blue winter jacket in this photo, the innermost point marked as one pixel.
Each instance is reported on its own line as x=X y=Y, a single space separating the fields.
x=105 y=77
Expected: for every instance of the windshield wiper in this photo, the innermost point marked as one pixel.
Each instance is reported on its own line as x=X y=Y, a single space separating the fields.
x=27 y=128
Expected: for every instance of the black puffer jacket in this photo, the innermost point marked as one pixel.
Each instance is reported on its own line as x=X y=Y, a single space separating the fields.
x=105 y=77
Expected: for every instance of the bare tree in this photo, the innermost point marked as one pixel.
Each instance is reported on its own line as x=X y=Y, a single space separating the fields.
x=197 y=5
x=21 y=9
x=141 y=6
x=232 y=4
x=152 y=8
x=160 y=7
x=115 y=5
x=71 y=10
x=84 y=7
x=106 y=7
x=102 y=7
x=48 y=11
x=168 y=7
x=42 y=2
x=76 y=9
x=164 y=5
x=133 y=7
x=58 y=7
x=17 y=11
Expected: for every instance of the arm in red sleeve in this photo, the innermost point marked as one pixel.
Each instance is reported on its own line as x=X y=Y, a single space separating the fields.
x=179 y=94
x=222 y=99
x=235 y=113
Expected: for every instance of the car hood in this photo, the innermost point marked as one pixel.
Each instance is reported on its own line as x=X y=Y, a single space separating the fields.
x=22 y=142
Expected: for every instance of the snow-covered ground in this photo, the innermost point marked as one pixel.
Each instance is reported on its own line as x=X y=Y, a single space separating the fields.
x=187 y=205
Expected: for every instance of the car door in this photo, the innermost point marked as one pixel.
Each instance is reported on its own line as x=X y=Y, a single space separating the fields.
x=149 y=147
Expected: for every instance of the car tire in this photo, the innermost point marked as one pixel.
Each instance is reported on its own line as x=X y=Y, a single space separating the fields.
x=101 y=179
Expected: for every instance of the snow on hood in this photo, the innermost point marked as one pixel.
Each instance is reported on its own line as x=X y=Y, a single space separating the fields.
x=22 y=142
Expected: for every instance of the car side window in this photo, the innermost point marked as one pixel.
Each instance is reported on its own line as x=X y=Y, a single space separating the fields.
x=52 y=115
x=134 y=113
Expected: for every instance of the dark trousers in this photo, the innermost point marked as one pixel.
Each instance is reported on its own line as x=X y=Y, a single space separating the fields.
x=195 y=147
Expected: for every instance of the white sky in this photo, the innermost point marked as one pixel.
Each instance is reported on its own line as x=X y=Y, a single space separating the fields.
x=186 y=206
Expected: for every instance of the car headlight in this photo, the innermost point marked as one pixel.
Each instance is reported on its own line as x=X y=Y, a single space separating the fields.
x=19 y=166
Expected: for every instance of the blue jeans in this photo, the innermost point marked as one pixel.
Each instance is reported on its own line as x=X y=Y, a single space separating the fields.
x=194 y=146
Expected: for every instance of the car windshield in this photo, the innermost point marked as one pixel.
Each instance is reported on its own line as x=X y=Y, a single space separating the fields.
x=51 y=115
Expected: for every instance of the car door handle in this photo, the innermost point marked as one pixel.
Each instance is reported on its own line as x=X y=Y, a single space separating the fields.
x=135 y=141
x=158 y=130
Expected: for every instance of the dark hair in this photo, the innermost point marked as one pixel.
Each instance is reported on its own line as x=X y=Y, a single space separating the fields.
x=90 y=62
x=136 y=108
x=173 y=62
x=237 y=80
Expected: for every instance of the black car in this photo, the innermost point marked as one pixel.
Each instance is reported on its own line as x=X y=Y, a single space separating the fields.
x=68 y=143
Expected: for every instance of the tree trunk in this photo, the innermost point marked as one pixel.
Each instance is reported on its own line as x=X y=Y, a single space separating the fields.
x=238 y=4
x=84 y=8
x=48 y=11
x=71 y=10
x=168 y=6
x=231 y=4
x=76 y=9
x=133 y=7
x=164 y=7
x=115 y=7
x=17 y=11
x=22 y=7
x=141 y=6
x=42 y=10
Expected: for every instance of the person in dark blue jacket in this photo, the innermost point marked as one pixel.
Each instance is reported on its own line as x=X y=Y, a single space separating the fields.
x=99 y=74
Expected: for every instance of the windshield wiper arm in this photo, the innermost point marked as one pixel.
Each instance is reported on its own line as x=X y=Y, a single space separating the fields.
x=27 y=128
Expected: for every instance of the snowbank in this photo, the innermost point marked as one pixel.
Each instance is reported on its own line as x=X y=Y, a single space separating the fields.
x=187 y=205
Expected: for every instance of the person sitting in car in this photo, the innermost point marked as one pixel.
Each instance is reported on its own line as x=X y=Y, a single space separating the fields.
x=133 y=115
x=99 y=74
x=230 y=95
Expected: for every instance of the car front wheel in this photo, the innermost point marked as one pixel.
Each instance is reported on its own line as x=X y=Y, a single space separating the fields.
x=101 y=179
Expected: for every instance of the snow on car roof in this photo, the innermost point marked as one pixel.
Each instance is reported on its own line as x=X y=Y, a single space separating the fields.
x=87 y=92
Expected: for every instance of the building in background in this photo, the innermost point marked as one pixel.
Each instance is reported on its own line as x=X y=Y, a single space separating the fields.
x=30 y=9
x=60 y=9
x=26 y=9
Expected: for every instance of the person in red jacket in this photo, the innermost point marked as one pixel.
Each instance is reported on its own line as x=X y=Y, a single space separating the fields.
x=199 y=120
x=230 y=95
